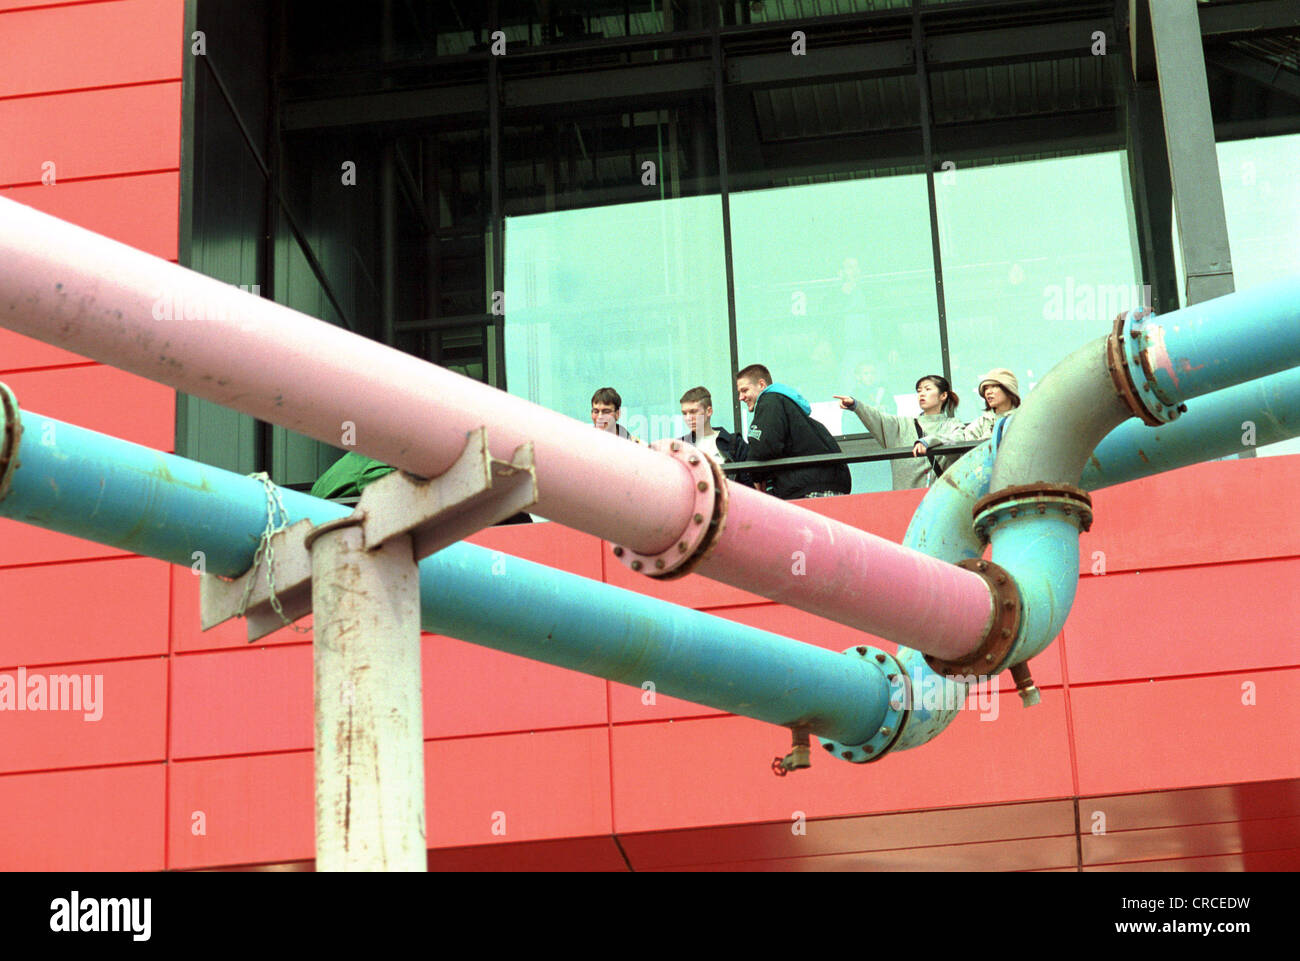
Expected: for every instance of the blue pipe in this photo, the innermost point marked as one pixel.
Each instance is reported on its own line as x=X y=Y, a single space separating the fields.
x=158 y=505
x=1203 y=348
x=942 y=528
x=1214 y=426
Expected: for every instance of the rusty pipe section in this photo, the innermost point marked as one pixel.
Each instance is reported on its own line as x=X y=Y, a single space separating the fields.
x=68 y=286
x=1146 y=367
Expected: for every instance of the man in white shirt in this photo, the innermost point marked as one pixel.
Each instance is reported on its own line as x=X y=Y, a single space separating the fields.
x=718 y=443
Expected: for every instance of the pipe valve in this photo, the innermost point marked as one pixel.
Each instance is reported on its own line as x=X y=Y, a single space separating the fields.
x=1025 y=685
x=800 y=755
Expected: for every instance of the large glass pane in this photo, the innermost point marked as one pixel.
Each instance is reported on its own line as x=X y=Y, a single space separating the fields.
x=630 y=296
x=835 y=295
x=1261 y=201
x=1037 y=260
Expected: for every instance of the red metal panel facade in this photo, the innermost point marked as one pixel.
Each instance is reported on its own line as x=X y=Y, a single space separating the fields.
x=1166 y=739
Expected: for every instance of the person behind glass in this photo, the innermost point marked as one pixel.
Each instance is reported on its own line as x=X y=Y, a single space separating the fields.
x=781 y=427
x=606 y=408
x=1001 y=393
x=938 y=402
x=717 y=442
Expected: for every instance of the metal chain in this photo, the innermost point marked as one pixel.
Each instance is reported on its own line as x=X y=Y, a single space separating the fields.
x=265 y=552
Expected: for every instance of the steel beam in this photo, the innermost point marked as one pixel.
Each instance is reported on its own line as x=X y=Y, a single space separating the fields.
x=1268 y=75
x=1193 y=161
x=1235 y=18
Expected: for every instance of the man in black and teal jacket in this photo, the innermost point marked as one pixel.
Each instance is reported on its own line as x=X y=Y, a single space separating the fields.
x=781 y=427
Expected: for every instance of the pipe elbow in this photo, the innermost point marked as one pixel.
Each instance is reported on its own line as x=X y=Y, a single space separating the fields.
x=1034 y=531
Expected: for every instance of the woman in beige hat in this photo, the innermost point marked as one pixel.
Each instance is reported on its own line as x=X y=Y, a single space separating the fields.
x=1001 y=393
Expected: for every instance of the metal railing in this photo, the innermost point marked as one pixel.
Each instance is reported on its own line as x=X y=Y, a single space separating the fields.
x=854 y=449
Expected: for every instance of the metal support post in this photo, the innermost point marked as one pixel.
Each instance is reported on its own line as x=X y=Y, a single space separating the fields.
x=369 y=719
x=359 y=576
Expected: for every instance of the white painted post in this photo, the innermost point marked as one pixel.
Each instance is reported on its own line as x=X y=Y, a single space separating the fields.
x=369 y=717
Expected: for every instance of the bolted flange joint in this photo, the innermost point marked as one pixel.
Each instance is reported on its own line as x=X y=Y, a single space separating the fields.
x=1003 y=627
x=1136 y=357
x=1031 y=499
x=708 y=516
x=900 y=701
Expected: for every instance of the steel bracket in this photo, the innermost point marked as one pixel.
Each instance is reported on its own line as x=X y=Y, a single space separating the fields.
x=477 y=491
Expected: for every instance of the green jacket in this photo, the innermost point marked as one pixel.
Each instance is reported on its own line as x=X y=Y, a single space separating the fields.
x=349 y=476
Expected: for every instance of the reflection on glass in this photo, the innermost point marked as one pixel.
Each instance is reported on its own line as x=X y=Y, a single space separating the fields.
x=1261 y=202
x=1037 y=260
x=631 y=297
x=835 y=295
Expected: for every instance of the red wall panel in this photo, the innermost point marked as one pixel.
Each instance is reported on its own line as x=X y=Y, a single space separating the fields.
x=242 y=702
x=1224 y=802
x=1204 y=514
x=91 y=45
x=1024 y=855
x=658 y=786
x=250 y=810
x=475 y=690
x=1186 y=732
x=1203 y=616
x=101 y=819
x=577 y=854
x=552 y=784
x=1286 y=860
x=1225 y=837
x=132 y=703
x=831 y=836
x=139 y=210
x=127 y=601
x=91 y=133
x=102 y=399
x=260 y=699
x=22 y=353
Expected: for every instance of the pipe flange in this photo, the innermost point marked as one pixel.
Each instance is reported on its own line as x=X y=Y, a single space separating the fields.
x=900 y=699
x=1011 y=502
x=1135 y=350
x=10 y=439
x=708 y=515
x=1000 y=638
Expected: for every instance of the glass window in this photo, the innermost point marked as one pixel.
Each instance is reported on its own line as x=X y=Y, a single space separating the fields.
x=1261 y=201
x=1038 y=257
x=629 y=296
x=835 y=295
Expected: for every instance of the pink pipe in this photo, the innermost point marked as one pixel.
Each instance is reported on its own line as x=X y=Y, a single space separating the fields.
x=67 y=286
x=778 y=550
